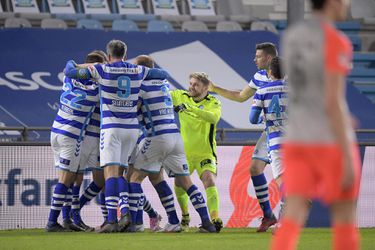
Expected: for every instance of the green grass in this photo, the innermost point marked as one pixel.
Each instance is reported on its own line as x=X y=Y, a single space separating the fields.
x=228 y=239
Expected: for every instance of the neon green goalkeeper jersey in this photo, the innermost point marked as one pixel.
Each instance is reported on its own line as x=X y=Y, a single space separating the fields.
x=198 y=123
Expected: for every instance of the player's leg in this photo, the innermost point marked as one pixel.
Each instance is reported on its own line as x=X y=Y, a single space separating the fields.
x=197 y=200
x=300 y=181
x=66 y=158
x=183 y=198
x=207 y=172
x=73 y=209
x=343 y=202
x=154 y=217
x=259 y=161
x=135 y=199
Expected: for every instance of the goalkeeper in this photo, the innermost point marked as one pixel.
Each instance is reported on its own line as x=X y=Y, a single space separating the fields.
x=199 y=112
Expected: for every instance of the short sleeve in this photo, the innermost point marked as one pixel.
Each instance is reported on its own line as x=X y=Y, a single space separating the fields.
x=338 y=52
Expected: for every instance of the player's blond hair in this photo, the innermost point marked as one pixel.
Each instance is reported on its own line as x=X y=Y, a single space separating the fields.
x=200 y=76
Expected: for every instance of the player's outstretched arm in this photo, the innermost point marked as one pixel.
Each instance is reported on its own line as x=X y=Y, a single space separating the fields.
x=212 y=116
x=157 y=74
x=234 y=95
x=75 y=71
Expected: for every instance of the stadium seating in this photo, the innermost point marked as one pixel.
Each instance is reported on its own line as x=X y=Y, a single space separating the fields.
x=89 y=24
x=268 y=26
x=124 y=25
x=159 y=26
x=53 y=23
x=17 y=22
x=194 y=26
x=228 y=26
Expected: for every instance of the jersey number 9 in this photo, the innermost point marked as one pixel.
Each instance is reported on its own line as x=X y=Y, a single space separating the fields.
x=123 y=83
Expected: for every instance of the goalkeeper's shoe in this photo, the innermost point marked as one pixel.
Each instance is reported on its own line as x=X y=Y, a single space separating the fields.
x=207 y=227
x=185 y=221
x=68 y=224
x=266 y=223
x=218 y=223
x=55 y=227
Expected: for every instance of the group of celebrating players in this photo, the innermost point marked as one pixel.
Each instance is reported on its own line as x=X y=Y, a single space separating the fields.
x=118 y=120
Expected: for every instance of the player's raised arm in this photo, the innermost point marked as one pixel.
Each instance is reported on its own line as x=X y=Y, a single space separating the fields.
x=157 y=74
x=77 y=71
x=234 y=95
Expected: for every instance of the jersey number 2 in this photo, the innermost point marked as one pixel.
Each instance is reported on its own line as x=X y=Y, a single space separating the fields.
x=123 y=83
x=79 y=96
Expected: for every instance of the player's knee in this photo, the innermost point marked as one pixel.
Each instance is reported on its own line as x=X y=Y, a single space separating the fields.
x=343 y=212
x=257 y=167
x=98 y=177
x=155 y=179
x=66 y=177
x=208 y=178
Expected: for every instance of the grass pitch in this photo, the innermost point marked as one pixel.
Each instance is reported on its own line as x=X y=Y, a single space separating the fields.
x=228 y=239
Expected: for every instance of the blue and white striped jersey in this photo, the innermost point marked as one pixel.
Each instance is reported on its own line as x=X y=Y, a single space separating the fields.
x=77 y=103
x=157 y=108
x=259 y=79
x=120 y=83
x=93 y=127
x=272 y=100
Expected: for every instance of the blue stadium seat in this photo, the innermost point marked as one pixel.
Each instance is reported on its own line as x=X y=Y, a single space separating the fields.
x=349 y=26
x=124 y=25
x=89 y=24
x=159 y=26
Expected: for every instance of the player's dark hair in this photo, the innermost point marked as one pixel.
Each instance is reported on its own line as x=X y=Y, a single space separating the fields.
x=116 y=49
x=276 y=68
x=96 y=56
x=268 y=48
x=318 y=4
x=144 y=60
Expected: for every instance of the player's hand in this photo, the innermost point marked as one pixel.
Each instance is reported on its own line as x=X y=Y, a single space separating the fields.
x=348 y=173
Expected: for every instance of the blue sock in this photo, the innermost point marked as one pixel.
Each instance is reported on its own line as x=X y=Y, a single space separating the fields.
x=123 y=189
x=198 y=202
x=166 y=198
x=67 y=204
x=90 y=192
x=135 y=193
x=111 y=198
x=102 y=205
x=148 y=208
x=75 y=205
x=58 y=198
x=139 y=220
x=261 y=191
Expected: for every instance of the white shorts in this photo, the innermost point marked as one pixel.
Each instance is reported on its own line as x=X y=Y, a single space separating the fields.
x=276 y=166
x=116 y=145
x=90 y=154
x=66 y=152
x=165 y=150
x=261 y=149
x=137 y=147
